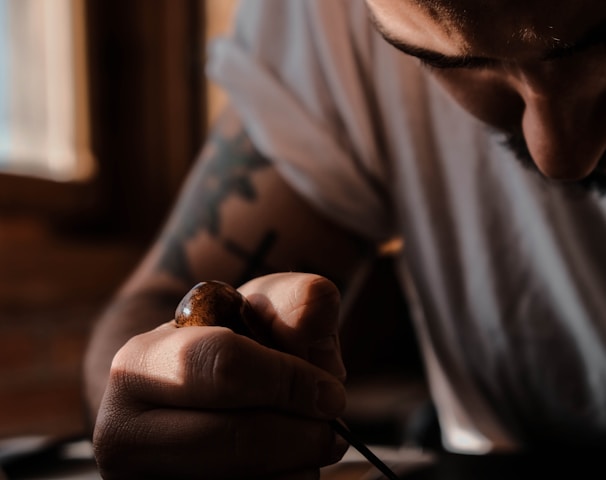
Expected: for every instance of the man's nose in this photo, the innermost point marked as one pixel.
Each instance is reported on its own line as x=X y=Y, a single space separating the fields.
x=564 y=123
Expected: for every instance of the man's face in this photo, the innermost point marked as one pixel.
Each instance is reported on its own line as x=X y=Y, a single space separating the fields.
x=533 y=69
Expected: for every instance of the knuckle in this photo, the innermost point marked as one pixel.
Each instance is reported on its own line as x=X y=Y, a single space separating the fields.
x=123 y=377
x=214 y=358
x=132 y=351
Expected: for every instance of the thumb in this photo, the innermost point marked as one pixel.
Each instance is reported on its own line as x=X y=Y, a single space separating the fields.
x=301 y=313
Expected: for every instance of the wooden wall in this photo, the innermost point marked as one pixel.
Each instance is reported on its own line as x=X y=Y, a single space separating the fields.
x=64 y=249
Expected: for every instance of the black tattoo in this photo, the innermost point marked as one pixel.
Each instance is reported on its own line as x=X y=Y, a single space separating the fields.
x=256 y=265
x=223 y=173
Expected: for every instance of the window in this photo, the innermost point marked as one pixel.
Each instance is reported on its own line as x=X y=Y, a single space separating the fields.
x=44 y=119
x=111 y=99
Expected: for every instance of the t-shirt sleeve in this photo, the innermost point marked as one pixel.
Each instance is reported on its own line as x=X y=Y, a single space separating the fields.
x=296 y=76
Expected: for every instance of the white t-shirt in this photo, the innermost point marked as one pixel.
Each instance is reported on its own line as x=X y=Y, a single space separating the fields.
x=505 y=273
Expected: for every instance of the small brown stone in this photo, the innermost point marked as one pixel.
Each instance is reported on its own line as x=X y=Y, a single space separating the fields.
x=214 y=303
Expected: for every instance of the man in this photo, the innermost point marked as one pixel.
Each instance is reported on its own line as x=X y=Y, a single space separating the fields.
x=351 y=123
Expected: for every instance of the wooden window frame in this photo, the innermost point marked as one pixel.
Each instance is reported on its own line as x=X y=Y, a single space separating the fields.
x=146 y=88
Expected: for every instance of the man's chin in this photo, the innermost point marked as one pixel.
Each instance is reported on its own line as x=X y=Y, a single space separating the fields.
x=595 y=182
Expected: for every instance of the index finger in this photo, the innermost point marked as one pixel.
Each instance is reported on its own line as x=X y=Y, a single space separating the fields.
x=214 y=368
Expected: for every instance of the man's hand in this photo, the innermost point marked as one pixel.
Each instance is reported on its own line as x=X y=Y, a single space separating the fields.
x=204 y=402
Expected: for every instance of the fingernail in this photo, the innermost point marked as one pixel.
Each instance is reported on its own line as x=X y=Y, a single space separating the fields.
x=326 y=354
x=331 y=398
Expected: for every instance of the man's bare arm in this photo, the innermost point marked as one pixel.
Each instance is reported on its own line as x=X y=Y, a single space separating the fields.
x=236 y=219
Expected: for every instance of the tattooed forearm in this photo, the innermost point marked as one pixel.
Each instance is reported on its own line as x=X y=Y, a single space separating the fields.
x=224 y=171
